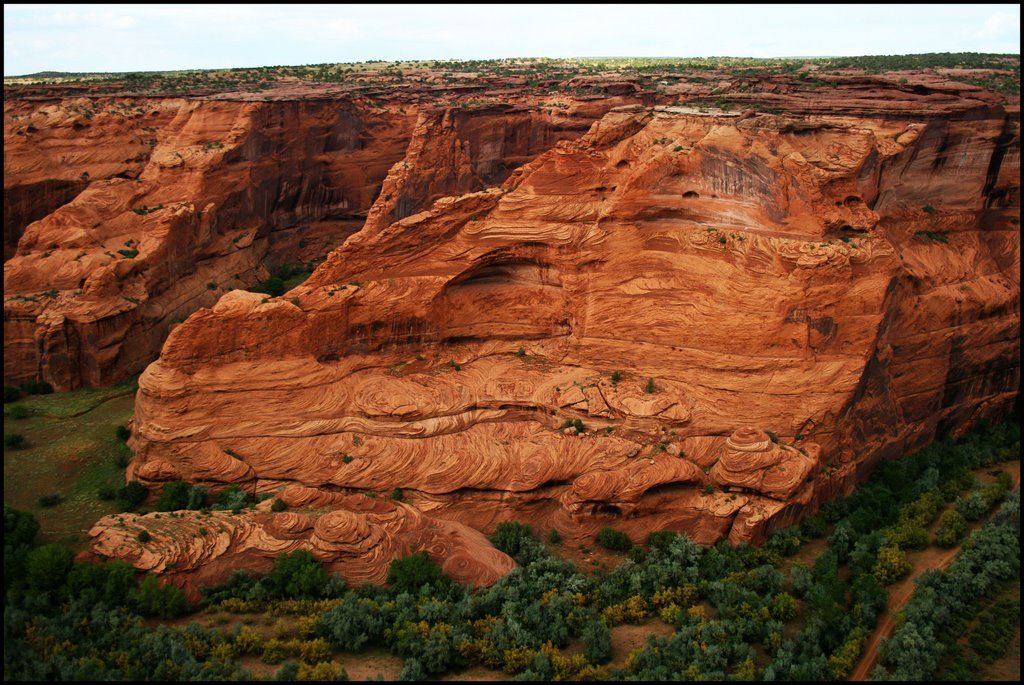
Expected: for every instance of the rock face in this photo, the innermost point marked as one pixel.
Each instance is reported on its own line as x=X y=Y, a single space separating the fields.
x=217 y=193
x=356 y=537
x=129 y=214
x=571 y=304
x=609 y=337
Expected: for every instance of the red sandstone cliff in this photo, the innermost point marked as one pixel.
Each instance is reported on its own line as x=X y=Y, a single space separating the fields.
x=851 y=285
x=148 y=210
x=219 y=191
x=680 y=280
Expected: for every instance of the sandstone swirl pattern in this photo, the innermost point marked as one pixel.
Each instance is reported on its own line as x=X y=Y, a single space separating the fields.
x=357 y=537
x=736 y=275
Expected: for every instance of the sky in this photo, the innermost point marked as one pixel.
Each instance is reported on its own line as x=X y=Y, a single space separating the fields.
x=120 y=38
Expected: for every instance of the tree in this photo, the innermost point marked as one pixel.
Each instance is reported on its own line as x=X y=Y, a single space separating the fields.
x=892 y=565
x=413 y=572
x=20 y=527
x=297 y=576
x=165 y=601
x=47 y=567
x=175 y=496
x=597 y=639
x=131 y=495
x=615 y=540
x=518 y=541
x=952 y=528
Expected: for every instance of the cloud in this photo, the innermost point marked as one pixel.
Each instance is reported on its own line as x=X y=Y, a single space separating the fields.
x=168 y=37
x=998 y=25
x=123 y=23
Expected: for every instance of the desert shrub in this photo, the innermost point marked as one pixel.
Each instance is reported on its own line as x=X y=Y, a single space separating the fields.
x=197 y=497
x=20 y=528
x=11 y=394
x=273 y=286
x=123 y=433
x=47 y=567
x=994 y=630
x=660 y=540
x=397 y=494
x=278 y=505
x=144 y=536
x=297 y=575
x=784 y=607
x=131 y=495
x=288 y=672
x=50 y=500
x=37 y=388
x=314 y=651
x=14 y=440
x=174 y=496
x=354 y=622
x=320 y=672
x=801 y=579
x=554 y=537
x=165 y=601
x=892 y=565
x=518 y=541
x=232 y=497
x=18 y=412
x=614 y=540
x=952 y=528
x=411 y=573
x=274 y=651
x=597 y=639
x=972 y=506
x=122 y=456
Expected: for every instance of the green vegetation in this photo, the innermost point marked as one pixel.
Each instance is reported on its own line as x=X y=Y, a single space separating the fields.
x=944 y=602
x=616 y=377
x=14 y=440
x=283 y=279
x=177 y=494
x=556 y=77
x=70 y=446
x=51 y=500
x=735 y=610
x=17 y=412
x=933 y=236
x=614 y=540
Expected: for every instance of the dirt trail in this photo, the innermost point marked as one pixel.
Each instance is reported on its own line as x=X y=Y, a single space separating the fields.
x=900 y=592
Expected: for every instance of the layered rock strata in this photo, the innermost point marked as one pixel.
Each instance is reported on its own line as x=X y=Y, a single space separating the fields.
x=352 y=535
x=675 y=284
x=129 y=214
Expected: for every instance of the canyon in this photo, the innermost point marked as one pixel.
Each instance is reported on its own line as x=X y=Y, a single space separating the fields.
x=617 y=306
